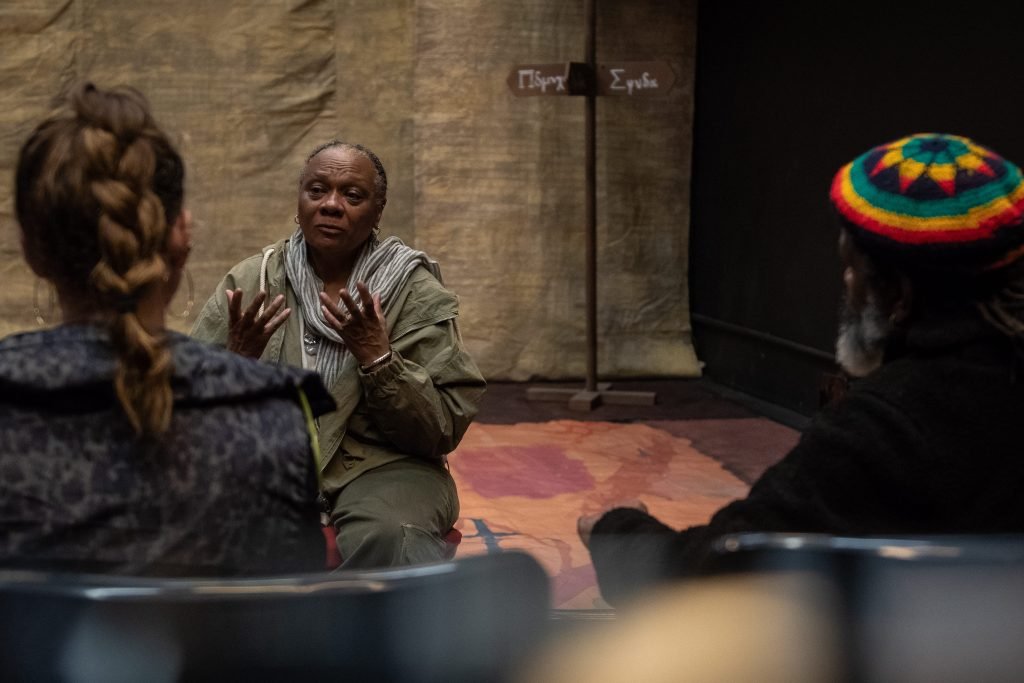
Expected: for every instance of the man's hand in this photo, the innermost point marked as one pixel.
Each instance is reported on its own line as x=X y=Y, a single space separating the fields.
x=249 y=332
x=585 y=524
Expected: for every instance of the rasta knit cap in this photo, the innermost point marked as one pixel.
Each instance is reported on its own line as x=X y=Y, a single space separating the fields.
x=934 y=201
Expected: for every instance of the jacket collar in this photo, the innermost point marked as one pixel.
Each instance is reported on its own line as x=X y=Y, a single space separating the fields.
x=80 y=357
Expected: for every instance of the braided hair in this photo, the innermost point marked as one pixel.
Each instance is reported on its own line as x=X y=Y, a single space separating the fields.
x=96 y=186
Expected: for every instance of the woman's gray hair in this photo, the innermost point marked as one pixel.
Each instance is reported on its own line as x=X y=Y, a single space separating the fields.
x=380 y=181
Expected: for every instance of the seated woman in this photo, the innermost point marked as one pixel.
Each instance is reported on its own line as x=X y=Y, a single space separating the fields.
x=373 y=319
x=125 y=447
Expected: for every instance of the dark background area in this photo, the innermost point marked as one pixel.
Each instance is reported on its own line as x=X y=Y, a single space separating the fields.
x=786 y=93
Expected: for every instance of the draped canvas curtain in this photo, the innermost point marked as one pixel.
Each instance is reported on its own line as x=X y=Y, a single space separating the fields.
x=488 y=184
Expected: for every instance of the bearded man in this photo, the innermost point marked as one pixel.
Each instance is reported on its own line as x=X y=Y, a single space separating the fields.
x=925 y=441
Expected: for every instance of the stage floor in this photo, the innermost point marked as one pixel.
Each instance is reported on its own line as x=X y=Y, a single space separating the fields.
x=526 y=470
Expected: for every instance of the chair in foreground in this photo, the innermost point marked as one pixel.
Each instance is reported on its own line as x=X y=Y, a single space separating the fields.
x=935 y=608
x=475 y=619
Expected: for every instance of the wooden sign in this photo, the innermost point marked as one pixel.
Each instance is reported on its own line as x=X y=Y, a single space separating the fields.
x=531 y=80
x=634 y=79
x=625 y=79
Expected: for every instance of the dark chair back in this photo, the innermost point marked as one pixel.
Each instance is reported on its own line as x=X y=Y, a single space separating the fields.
x=936 y=608
x=475 y=619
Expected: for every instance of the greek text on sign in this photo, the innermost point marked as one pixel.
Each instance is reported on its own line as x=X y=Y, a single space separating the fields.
x=634 y=79
x=528 y=80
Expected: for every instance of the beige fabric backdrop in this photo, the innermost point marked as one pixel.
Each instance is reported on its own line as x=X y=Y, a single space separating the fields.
x=490 y=185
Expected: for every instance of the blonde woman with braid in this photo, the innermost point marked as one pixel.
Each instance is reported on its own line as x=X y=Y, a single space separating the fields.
x=372 y=317
x=125 y=447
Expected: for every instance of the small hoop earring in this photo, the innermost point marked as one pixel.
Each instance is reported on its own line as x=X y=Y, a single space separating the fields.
x=191 y=302
x=296 y=219
x=51 y=303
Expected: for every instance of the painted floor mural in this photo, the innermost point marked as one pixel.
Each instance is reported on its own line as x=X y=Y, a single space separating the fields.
x=522 y=486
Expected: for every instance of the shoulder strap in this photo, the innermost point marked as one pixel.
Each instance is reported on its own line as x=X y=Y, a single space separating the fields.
x=267 y=253
x=314 y=439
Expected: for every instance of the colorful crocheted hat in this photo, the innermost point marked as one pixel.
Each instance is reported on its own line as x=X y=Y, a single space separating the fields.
x=934 y=201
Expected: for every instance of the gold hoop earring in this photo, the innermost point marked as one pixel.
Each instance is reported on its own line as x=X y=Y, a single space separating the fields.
x=191 y=302
x=296 y=219
x=37 y=311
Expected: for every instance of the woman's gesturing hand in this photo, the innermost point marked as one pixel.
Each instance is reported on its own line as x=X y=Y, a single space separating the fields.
x=361 y=327
x=249 y=332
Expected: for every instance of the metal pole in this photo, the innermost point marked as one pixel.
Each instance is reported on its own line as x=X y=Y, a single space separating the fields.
x=590 y=209
x=593 y=394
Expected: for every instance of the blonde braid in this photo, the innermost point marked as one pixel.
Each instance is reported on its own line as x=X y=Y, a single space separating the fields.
x=95 y=188
x=118 y=141
x=132 y=231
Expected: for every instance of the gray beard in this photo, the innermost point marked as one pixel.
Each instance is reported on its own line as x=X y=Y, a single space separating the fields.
x=863 y=336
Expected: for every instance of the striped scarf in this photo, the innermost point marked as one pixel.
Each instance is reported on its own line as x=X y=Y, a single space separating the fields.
x=383 y=265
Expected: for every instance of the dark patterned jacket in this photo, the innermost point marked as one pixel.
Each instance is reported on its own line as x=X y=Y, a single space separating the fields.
x=927 y=444
x=230 y=489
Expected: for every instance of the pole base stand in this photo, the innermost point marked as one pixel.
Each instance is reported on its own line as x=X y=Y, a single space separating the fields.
x=585 y=401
